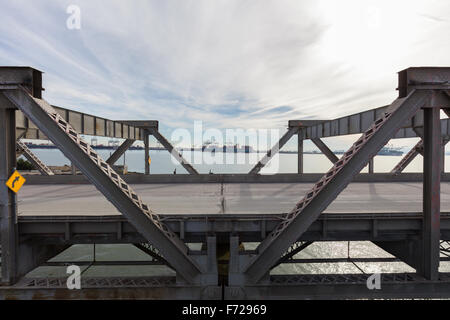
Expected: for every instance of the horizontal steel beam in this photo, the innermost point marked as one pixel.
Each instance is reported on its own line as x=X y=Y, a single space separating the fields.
x=142 y=124
x=342 y=286
x=357 y=123
x=85 y=124
x=286 y=287
x=250 y=228
x=164 y=288
x=231 y=178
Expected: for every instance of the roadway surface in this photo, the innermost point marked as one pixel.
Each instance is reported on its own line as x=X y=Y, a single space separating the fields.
x=81 y=200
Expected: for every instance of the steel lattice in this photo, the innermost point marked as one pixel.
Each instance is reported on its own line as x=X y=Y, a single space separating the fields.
x=337 y=278
x=32 y=157
x=106 y=168
x=329 y=175
x=418 y=148
x=101 y=282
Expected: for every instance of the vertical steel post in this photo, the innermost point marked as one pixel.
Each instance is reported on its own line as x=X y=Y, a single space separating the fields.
x=443 y=158
x=8 y=209
x=431 y=193
x=146 y=150
x=371 y=166
x=300 y=153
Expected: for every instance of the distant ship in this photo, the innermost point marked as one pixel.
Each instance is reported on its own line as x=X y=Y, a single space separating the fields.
x=389 y=151
x=214 y=147
x=98 y=147
x=386 y=151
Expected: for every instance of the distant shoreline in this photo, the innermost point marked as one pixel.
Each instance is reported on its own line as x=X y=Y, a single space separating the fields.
x=137 y=148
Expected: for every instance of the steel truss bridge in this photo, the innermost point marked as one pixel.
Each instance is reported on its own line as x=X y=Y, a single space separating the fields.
x=419 y=239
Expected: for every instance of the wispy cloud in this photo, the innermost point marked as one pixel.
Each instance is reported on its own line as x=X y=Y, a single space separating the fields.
x=229 y=63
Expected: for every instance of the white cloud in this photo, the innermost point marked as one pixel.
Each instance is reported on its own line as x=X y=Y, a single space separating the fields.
x=228 y=63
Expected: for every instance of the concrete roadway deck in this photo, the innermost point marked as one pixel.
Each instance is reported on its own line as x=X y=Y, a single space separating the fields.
x=82 y=200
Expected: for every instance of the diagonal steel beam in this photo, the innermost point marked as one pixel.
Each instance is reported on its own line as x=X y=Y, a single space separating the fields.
x=325 y=150
x=189 y=168
x=331 y=184
x=113 y=187
x=152 y=252
x=34 y=159
x=120 y=151
x=272 y=152
x=406 y=160
x=293 y=250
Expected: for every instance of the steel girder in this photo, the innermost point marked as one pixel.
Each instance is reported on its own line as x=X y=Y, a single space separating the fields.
x=325 y=150
x=189 y=168
x=272 y=152
x=394 y=226
x=406 y=160
x=120 y=151
x=107 y=181
x=292 y=251
x=152 y=252
x=411 y=155
x=331 y=184
x=342 y=286
x=8 y=199
x=85 y=124
x=299 y=153
x=34 y=159
x=432 y=149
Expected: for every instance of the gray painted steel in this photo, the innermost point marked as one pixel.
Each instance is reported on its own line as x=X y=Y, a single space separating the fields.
x=325 y=150
x=118 y=193
x=84 y=124
x=229 y=178
x=8 y=199
x=412 y=236
x=120 y=151
x=332 y=184
x=431 y=194
x=189 y=168
x=300 y=158
x=368 y=226
x=34 y=159
x=408 y=158
x=272 y=152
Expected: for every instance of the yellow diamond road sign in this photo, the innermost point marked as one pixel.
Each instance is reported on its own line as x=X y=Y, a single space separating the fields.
x=15 y=182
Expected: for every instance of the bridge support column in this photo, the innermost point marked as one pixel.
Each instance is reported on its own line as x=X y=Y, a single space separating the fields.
x=443 y=156
x=300 y=154
x=371 y=168
x=431 y=193
x=146 y=151
x=8 y=199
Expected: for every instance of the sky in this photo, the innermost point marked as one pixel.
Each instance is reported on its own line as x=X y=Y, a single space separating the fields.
x=229 y=63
